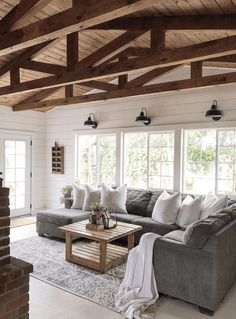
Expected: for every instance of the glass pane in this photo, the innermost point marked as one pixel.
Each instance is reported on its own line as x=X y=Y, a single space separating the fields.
x=10 y=161
x=9 y=175
x=161 y=160
x=20 y=175
x=20 y=188
x=107 y=159
x=97 y=159
x=135 y=159
x=10 y=147
x=225 y=186
x=20 y=161
x=19 y=202
x=200 y=156
x=225 y=171
x=154 y=181
x=226 y=138
x=226 y=154
x=20 y=147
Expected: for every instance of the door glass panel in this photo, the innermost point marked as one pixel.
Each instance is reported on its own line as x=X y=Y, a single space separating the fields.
x=15 y=172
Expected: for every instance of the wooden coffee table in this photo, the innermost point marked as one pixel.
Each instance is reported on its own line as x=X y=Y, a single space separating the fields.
x=99 y=254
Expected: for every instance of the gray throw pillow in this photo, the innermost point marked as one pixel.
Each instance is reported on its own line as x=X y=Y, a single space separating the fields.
x=197 y=234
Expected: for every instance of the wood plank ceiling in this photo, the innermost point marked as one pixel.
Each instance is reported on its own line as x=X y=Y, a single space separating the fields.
x=91 y=39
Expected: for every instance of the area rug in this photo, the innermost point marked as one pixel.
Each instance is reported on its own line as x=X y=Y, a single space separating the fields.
x=47 y=256
x=22 y=221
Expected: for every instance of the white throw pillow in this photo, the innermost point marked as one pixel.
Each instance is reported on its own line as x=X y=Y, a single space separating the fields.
x=166 y=208
x=212 y=204
x=114 y=199
x=92 y=195
x=190 y=211
x=78 y=197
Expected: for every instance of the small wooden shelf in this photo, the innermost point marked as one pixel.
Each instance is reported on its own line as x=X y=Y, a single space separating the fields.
x=57 y=159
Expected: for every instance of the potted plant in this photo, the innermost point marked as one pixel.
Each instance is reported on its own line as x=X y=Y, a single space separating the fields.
x=96 y=216
x=66 y=196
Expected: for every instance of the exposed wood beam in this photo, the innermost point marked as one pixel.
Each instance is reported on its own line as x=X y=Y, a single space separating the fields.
x=198 y=22
x=157 y=40
x=198 y=52
x=20 y=12
x=68 y=21
x=72 y=58
x=15 y=76
x=138 y=51
x=207 y=81
x=122 y=79
x=72 y=52
x=16 y=61
x=110 y=49
x=43 y=67
x=150 y=75
x=39 y=96
x=196 y=70
x=100 y=85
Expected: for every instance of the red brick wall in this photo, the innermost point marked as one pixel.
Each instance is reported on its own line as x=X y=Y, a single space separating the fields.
x=14 y=273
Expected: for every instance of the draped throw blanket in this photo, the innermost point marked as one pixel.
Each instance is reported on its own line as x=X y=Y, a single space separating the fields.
x=138 y=290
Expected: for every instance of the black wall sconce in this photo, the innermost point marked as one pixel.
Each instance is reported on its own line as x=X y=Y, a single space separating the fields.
x=143 y=117
x=91 y=122
x=213 y=113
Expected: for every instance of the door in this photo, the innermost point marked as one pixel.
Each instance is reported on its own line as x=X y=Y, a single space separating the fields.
x=15 y=163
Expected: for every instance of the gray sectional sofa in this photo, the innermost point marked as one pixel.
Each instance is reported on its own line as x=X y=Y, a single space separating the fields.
x=199 y=271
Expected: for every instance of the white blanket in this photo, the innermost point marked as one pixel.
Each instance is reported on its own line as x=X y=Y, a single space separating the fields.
x=138 y=290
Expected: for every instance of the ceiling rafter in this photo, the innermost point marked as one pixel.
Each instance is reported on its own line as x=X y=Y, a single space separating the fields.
x=202 y=82
x=25 y=9
x=198 y=52
x=68 y=21
x=174 y=23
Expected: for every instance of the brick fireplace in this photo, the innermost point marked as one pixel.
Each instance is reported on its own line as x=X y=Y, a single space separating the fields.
x=14 y=273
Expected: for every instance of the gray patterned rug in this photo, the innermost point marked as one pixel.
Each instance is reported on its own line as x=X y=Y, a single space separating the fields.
x=47 y=256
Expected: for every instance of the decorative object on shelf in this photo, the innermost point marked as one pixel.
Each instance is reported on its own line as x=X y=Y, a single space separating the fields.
x=108 y=221
x=214 y=113
x=93 y=123
x=57 y=159
x=95 y=220
x=143 y=117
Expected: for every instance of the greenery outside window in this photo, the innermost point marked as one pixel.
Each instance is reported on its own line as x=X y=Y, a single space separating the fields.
x=149 y=160
x=209 y=161
x=97 y=159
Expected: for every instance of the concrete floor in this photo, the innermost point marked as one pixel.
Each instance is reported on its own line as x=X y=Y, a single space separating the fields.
x=49 y=302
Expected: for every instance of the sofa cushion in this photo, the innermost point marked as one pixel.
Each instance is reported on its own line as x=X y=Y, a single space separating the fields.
x=62 y=216
x=137 y=201
x=125 y=218
x=197 y=234
x=175 y=235
x=150 y=225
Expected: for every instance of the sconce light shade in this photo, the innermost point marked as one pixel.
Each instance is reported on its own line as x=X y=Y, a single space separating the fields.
x=91 y=122
x=213 y=112
x=143 y=117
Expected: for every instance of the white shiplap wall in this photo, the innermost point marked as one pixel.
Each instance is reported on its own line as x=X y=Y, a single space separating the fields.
x=31 y=124
x=186 y=107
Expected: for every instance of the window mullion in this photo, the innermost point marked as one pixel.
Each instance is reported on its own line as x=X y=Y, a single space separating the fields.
x=216 y=161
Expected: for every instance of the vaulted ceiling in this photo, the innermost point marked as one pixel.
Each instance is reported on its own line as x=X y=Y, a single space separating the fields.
x=53 y=52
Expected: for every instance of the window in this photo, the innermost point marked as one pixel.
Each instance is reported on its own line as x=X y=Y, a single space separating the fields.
x=97 y=159
x=226 y=166
x=210 y=161
x=149 y=160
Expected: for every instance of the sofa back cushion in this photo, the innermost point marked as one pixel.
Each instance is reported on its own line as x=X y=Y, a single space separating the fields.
x=197 y=234
x=137 y=201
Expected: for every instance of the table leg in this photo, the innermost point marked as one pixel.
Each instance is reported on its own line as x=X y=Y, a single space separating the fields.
x=103 y=255
x=68 y=246
x=130 y=241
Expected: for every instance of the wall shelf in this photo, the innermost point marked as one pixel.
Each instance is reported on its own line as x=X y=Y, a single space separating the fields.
x=57 y=159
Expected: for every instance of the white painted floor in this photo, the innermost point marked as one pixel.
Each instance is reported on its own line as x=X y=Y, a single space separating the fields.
x=49 y=302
